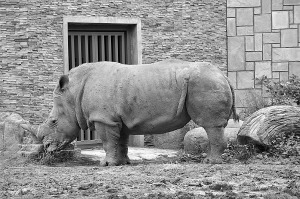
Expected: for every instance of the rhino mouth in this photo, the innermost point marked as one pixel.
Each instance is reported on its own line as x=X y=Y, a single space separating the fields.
x=55 y=146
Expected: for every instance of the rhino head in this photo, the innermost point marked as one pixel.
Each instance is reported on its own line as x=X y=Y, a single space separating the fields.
x=61 y=127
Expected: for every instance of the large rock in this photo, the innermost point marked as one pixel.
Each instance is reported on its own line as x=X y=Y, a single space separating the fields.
x=196 y=140
x=11 y=133
x=267 y=123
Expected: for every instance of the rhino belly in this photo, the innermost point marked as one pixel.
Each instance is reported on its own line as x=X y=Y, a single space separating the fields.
x=159 y=125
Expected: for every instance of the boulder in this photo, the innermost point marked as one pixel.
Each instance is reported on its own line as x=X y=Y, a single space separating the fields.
x=11 y=133
x=196 y=140
x=267 y=123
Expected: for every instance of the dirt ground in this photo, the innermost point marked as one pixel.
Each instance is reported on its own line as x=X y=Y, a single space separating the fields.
x=159 y=178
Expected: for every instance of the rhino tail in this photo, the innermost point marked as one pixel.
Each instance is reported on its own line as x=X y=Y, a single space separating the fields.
x=235 y=116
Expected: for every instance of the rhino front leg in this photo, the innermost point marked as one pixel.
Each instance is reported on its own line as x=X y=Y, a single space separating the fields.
x=217 y=144
x=110 y=136
x=123 y=149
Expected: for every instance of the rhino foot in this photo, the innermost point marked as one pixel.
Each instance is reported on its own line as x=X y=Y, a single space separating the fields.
x=106 y=162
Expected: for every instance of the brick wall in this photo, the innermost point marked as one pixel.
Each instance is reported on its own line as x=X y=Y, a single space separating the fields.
x=263 y=39
x=31 y=54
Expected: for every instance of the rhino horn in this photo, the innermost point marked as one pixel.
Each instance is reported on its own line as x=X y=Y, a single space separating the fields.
x=33 y=132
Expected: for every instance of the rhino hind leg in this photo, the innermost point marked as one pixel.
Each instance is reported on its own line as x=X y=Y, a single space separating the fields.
x=114 y=145
x=212 y=113
x=217 y=144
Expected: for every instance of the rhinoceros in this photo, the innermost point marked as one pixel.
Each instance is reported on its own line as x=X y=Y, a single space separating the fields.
x=117 y=100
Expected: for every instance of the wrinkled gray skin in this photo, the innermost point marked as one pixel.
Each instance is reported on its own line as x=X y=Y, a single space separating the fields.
x=119 y=100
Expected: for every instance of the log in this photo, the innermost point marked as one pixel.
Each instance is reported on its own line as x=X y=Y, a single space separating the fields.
x=267 y=123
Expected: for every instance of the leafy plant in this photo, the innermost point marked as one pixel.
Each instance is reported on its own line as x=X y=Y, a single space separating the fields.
x=285 y=146
x=283 y=92
x=238 y=152
x=279 y=93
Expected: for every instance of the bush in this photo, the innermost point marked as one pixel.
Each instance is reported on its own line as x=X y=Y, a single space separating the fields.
x=285 y=146
x=238 y=152
x=283 y=92
x=280 y=93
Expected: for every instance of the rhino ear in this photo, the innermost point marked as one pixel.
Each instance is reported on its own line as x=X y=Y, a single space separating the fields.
x=63 y=82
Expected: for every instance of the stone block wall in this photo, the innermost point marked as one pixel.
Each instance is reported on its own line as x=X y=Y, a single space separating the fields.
x=31 y=41
x=263 y=39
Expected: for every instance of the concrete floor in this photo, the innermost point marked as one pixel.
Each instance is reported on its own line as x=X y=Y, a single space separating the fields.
x=134 y=153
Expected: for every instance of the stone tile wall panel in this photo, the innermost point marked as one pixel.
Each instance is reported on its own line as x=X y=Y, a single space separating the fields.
x=231 y=27
x=245 y=79
x=236 y=55
x=294 y=68
x=263 y=68
x=280 y=19
x=245 y=30
x=271 y=38
x=250 y=65
x=274 y=48
x=249 y=43
x=267 y=52
x=296 y=14
x=284 y=76
x=289 y=38
x=280 y=66
x=243 y=3
x=258 y=41
x=31 y=53
x=277 y=4
x=262 y=23
x=291 y=2
x=253 y=56
x=275 y=75
x=244 y=16
x=257 y=11
x=286 y=54
x=266 y=6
